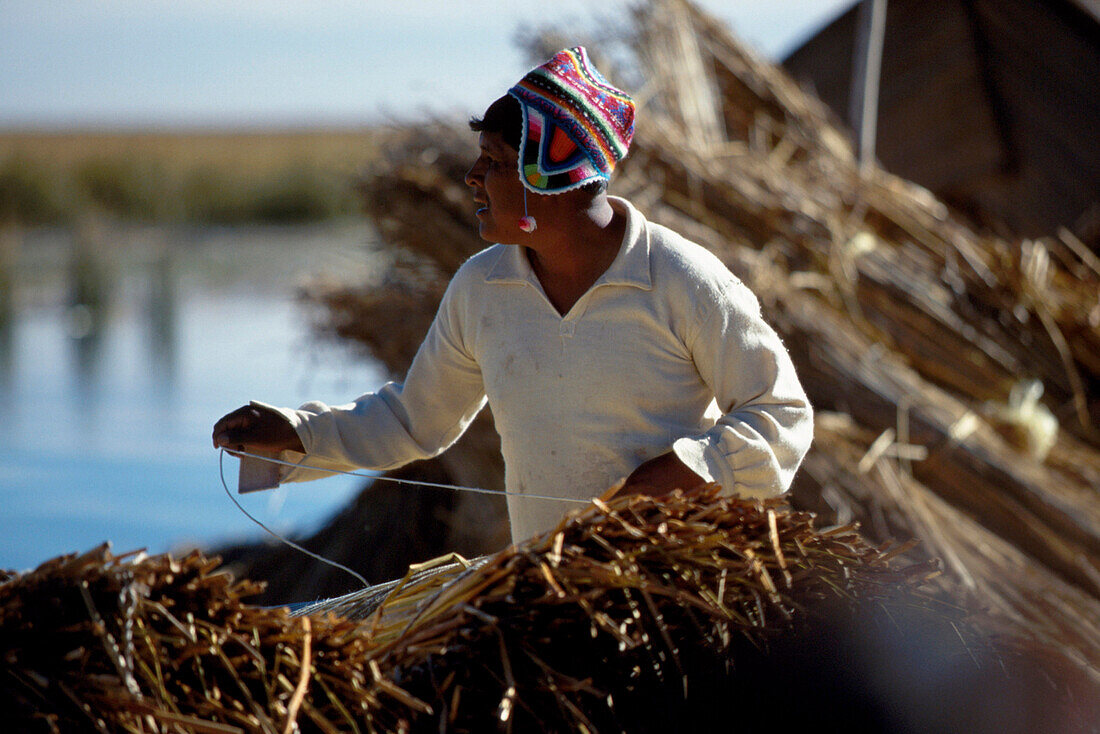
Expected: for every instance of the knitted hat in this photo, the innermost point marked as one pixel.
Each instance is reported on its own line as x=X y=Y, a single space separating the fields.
x=576 y=126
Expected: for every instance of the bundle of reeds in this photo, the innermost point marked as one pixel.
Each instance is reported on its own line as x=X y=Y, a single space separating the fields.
x=973 y=313
x=633 y=615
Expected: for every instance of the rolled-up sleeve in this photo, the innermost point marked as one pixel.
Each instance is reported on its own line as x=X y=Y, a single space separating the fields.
x=766 y=426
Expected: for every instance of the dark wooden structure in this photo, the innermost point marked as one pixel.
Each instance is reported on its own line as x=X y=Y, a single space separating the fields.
x=994 y=105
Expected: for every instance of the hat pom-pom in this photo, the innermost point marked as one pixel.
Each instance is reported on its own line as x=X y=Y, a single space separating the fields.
x=527 y=224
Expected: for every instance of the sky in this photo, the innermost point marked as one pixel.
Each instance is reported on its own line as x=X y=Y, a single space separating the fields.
x=73 y=63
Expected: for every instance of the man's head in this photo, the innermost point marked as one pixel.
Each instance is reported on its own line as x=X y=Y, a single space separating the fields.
x=563 y=127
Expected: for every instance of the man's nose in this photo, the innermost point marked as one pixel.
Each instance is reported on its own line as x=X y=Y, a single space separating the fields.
x=474 y=175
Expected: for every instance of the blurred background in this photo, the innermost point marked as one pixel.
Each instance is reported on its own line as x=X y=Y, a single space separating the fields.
x=171 y=175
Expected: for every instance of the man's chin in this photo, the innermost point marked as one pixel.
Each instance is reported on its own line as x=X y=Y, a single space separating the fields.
x=485 y=232
x=493 y=234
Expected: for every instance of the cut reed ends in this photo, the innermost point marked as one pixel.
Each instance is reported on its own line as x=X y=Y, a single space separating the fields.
x=636 y=614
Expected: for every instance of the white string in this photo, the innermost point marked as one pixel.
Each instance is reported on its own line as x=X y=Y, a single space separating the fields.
x=291 y=543
x=382 y=478
x=377 y=478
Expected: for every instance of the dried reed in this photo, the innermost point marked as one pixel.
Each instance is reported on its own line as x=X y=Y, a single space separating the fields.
x=633 y=612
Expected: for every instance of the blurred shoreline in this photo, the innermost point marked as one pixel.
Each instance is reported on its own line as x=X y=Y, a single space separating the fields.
x=195 y=175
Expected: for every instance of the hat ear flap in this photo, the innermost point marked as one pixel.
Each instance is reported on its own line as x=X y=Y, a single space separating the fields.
x=549 y=159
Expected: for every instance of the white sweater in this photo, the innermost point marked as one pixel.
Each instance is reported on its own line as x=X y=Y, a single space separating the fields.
x=666 y=350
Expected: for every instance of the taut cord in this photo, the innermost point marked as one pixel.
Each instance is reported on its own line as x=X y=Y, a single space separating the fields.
x=414 y=482
x=374 y=477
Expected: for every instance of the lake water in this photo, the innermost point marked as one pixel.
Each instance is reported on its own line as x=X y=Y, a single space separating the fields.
x=120 y=347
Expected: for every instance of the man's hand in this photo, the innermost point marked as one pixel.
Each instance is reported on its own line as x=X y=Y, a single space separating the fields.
x=251 y=428
x=660 y=475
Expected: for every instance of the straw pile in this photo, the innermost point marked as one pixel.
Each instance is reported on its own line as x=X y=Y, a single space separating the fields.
x=955 y=373
x=633 y=615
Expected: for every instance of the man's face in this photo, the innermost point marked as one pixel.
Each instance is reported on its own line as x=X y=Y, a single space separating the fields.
x=494 y=177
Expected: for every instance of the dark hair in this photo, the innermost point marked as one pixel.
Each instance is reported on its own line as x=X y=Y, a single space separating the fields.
x=505 y=117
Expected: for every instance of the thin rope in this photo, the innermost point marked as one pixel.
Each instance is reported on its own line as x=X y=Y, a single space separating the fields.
x=412 y=482
x=291 y=543
x=377 y=478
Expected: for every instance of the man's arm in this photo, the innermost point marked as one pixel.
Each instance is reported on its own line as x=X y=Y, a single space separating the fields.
x=766 y=428
x=399 y=423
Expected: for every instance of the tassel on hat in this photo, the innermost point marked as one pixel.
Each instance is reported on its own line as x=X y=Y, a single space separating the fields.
x=526 y=222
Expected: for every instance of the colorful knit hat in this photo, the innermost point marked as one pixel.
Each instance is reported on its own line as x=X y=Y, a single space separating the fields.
x=576 y=126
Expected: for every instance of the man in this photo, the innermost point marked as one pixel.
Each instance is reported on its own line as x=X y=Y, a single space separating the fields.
x=606 y=346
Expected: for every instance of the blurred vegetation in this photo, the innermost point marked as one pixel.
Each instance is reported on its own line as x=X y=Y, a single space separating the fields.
x=210 y=178
x=28 y=192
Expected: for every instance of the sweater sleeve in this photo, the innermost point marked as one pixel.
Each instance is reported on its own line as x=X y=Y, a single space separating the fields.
x=766 y=426
x=400 y=422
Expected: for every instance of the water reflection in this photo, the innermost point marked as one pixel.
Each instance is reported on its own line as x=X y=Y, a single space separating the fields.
x=92 y=274
x=161 y=312
x=10 y=239
x=119 y=347
x=90 y=288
